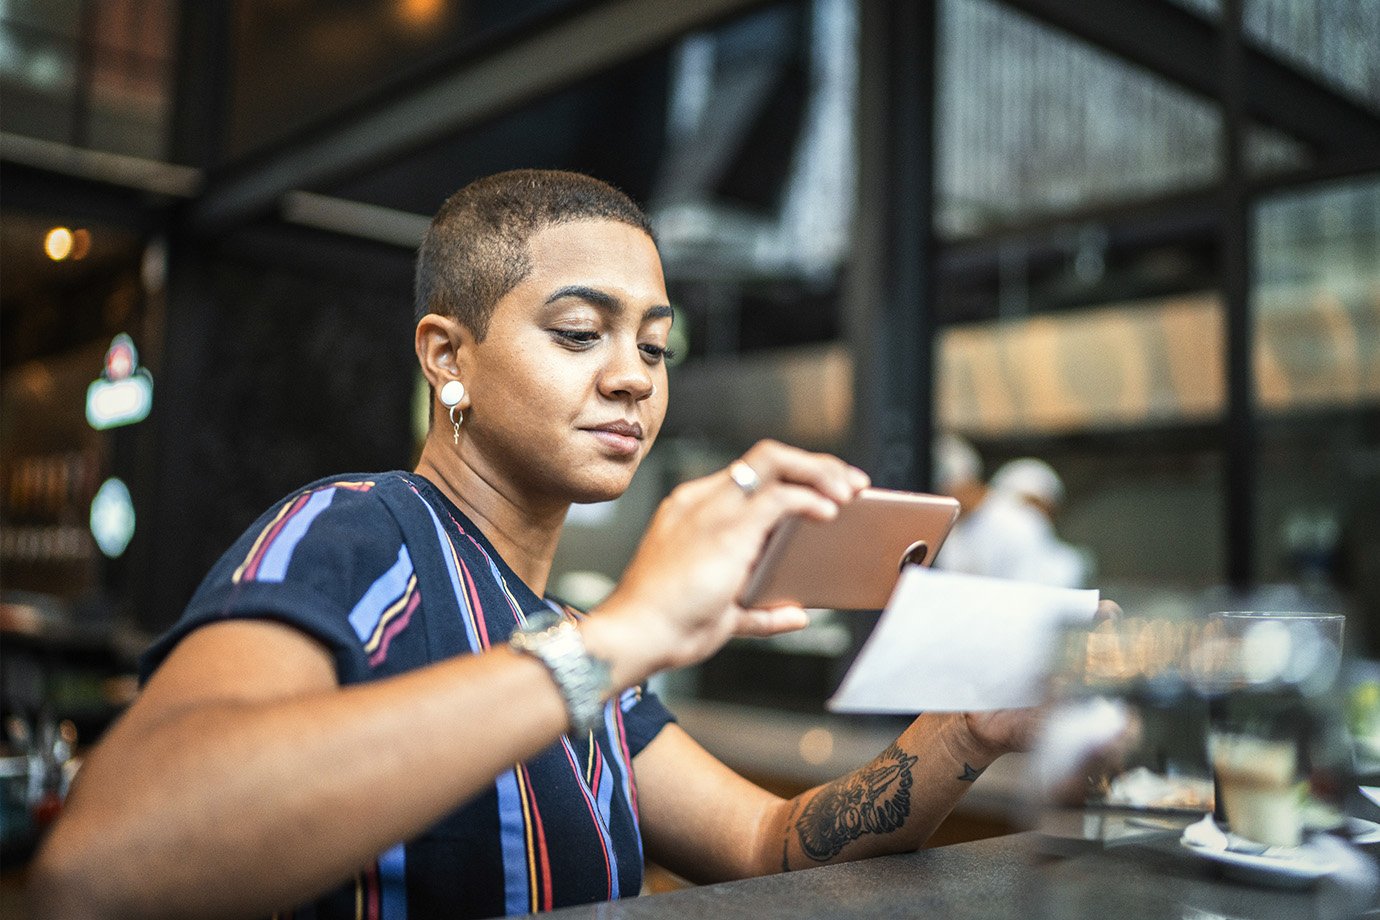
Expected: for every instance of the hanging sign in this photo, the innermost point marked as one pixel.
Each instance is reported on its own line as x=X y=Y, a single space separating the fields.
x=123 y=394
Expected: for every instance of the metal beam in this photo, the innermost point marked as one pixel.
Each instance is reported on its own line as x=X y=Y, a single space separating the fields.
x=1184 y=48
x=488 y=83
x=117 y=169
x=890 y=288
x=354 y=218
x=200 y=116
x=1240 y=442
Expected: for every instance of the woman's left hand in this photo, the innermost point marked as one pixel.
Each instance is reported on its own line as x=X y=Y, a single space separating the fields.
x=1003 y=731
x=679 y=594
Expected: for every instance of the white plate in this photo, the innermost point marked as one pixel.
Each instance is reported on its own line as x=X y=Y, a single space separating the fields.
x=1361 y=832
x=1291 y=867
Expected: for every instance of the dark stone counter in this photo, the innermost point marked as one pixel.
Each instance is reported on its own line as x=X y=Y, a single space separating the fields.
x=1013 y=876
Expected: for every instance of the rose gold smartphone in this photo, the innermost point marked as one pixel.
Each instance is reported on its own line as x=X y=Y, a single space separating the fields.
x=853 y=561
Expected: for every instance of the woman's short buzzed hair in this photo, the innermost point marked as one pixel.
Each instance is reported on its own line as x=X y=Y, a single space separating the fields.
x=475 y=250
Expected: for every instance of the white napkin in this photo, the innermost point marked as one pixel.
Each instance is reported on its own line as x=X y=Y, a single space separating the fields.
x=960 y=643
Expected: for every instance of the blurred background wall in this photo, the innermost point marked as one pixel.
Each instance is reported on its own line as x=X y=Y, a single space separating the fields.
x=1138 y=240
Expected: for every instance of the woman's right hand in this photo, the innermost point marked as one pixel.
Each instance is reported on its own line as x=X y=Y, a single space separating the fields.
x=676 y=604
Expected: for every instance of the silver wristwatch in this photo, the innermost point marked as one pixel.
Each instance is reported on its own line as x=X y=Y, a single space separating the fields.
x=583 y=680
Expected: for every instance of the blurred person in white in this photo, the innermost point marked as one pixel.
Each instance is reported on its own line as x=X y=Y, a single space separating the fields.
x=1034 y=484
x=1005 y=529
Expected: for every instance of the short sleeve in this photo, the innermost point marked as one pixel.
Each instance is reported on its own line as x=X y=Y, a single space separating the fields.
x=311 y=562
x=644 y=716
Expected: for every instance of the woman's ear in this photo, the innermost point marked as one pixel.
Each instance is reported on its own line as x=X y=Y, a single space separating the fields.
x=443 y=345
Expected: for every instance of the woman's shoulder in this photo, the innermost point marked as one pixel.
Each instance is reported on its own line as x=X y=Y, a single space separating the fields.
x=354 y=483
x=344 y=493
x=335 y=517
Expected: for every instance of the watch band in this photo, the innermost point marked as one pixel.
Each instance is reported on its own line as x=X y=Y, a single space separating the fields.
x=584 y=681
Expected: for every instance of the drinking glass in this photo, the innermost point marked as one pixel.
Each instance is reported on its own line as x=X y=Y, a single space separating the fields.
x=1126 y=720
x=1276 y=736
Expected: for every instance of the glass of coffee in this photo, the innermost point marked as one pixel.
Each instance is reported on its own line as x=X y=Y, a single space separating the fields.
x=1274 y=705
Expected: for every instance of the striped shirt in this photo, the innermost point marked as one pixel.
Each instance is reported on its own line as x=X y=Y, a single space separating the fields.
x=389 y=575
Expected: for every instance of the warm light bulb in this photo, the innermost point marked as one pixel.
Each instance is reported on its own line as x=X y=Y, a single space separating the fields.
x=58 y=243
x=420 y=13
x=81 y=243
x=817 y=745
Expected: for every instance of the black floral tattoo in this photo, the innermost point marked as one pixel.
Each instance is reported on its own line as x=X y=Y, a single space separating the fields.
x=969 y=774
x=874 y=800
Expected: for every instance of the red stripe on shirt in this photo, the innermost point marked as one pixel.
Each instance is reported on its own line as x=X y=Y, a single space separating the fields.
x=545 y=856
x=393 y=628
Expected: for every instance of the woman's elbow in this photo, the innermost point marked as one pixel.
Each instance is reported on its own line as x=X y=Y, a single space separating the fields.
x=63 y=882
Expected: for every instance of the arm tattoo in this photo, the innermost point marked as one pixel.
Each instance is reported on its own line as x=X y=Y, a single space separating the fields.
x=874 y=800
x=786 y=840
x=969 y=774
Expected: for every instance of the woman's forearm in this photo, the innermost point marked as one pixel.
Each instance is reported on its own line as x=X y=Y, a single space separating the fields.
x=891 y=805
x=242 y=808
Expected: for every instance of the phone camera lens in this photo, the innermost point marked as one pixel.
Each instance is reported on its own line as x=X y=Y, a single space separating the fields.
x=915 y=554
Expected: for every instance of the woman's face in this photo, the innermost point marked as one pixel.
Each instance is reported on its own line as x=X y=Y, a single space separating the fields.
x=568 y=389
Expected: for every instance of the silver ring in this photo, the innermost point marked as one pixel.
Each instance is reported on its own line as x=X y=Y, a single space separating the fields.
x=744 y=477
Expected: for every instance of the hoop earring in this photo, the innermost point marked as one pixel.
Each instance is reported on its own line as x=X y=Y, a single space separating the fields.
x=450 y=396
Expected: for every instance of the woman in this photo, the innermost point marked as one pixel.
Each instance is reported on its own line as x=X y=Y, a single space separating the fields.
x=344 y=679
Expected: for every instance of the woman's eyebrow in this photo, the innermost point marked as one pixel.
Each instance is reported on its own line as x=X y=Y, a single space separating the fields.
x=607 y=302
x=601 y=299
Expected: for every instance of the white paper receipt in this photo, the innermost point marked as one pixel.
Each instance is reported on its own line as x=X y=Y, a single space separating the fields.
x=954 y=642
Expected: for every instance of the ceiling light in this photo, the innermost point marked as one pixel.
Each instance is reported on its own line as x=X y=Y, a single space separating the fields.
x=58 y=243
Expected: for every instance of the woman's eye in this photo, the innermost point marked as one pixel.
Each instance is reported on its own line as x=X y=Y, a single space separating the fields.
x=657 y=352
x=576 y=336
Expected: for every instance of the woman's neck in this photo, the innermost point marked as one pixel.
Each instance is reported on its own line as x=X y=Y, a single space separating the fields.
x=524 y=535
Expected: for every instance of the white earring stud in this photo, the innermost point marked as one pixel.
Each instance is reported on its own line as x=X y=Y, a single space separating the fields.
x=451 y=394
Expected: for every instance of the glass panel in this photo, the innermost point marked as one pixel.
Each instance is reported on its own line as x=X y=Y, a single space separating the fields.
x=1317 y=302
x=38 y=67
x=1317 y=298
x=1129 y=365
x=130 y=77
x=1335 y=42
x=96 y=74
x=1033 y=122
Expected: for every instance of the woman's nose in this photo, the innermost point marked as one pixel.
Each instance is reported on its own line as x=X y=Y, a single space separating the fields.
x=627 y=375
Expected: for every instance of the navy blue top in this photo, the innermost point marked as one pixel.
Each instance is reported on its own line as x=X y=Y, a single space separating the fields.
x=388 y=574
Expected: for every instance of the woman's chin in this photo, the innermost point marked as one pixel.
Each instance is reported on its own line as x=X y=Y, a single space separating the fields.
x=595 y=496
x=601 y=490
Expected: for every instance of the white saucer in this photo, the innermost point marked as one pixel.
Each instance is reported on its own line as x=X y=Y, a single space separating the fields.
x=1282 y=867
x=1361 y=832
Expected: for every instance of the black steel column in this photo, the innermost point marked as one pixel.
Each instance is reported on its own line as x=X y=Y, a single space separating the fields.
x=890 y=309
x=1239 y=450
x=82 y=79
x=201 y=77
x=185 y=358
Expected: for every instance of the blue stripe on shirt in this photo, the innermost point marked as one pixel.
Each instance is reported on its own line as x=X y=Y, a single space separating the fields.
x=465 y=613
x=624 y=768
x=382 y=594
x=275 y=563
x=512 y=835
x=393 y=883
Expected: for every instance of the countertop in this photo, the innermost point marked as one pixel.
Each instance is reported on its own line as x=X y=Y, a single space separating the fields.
x=1019 y=875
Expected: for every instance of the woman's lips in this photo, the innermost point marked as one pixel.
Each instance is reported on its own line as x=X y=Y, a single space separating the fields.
x=621 y=438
